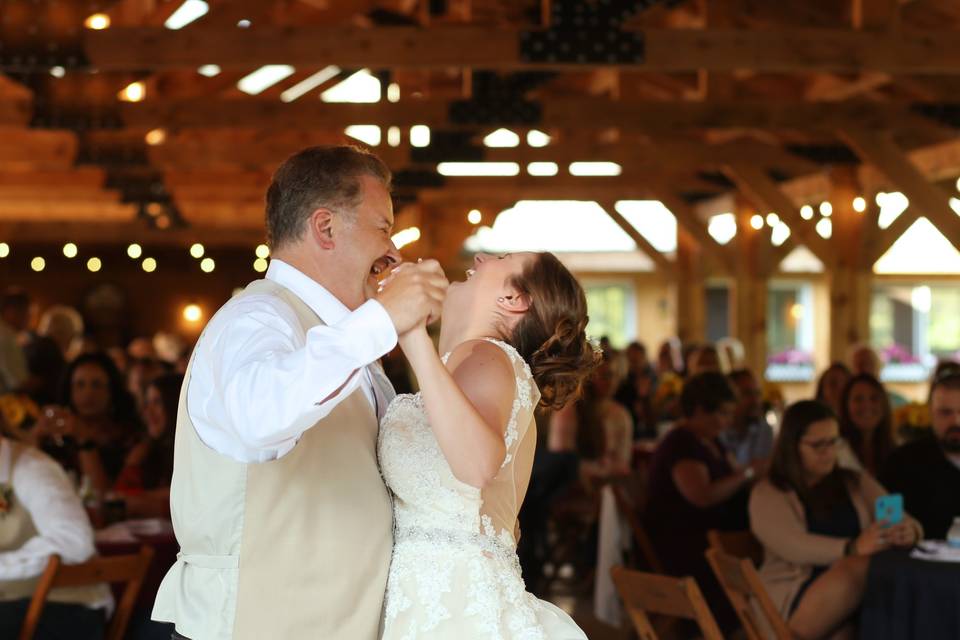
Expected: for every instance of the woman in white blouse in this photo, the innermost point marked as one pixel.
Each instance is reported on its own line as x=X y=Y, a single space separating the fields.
x=41 y=515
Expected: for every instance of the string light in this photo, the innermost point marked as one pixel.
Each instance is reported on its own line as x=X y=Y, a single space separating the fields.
x=70 y=250
x=806 y=212
x=197 y=250
x=133 y=92
x=97 y=22
x=149 y=265
x=192 y=313
x=94 y=264
x=260 y=265
x=756 y=221
x=772 y=219
x=38 y=264
x=207 y=265
x=859 y=204
x=134 y=251
x=826 y=209
x=474 y=217
x=4 y=249
x=262 y=251
x=156 y=137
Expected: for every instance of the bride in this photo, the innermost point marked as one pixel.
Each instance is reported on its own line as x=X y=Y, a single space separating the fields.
x=457 y=456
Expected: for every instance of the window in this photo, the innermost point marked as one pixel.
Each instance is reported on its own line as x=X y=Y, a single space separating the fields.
x=612 y=310
x=912 y=326
x=790 y=331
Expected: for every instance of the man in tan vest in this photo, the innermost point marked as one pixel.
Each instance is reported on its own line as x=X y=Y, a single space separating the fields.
x=284 y=523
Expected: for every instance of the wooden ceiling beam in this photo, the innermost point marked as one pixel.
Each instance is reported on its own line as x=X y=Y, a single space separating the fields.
x=561 y=113
x=926 y=199
x=762 y=51
x=35 y=148
x=115 y=232
x=50 y=211
x=766 y=195
x=663 y=263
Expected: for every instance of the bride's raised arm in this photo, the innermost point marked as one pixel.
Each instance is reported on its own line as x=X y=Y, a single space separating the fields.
x=468 y=402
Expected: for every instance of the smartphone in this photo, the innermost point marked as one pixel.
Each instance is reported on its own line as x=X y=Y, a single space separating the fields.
x=889 y=508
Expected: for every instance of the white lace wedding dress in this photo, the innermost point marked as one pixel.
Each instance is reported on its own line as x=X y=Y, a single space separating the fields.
x=455 y=574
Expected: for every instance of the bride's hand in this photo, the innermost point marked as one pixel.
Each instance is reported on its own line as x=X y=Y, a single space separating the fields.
x=414 y=339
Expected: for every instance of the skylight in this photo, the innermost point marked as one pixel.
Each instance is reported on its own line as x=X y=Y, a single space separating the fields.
x=653 y=221
x=309 y=84
x=264 y=78
x=186 y=13
x=595 y=169
x=922 y=249
x=478 y=168
x=369 y=133
x=502 y=138
x=360 y=87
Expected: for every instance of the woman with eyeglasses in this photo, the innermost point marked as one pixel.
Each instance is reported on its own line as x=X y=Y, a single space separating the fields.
x=815 y=520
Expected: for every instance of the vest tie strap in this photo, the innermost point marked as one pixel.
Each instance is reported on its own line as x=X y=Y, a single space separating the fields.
x=210 y=562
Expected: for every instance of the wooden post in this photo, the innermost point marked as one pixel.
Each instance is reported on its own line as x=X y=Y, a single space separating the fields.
x=850 y=274
x=750 y=289
x=690 y=285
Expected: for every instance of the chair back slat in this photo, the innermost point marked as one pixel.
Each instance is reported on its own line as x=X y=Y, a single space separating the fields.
x=631 y=513
x=129 y=569
x=747 y=594
x=647 y=593
x=739 y=544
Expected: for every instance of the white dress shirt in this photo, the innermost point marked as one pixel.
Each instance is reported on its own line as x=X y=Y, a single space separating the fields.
x=258 y=381
x=62 y=525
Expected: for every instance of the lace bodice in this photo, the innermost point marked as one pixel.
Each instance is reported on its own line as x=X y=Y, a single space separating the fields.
x=428 y=495
x=454 y=571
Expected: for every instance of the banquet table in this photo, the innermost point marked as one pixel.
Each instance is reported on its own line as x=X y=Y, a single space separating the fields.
x=910 y=598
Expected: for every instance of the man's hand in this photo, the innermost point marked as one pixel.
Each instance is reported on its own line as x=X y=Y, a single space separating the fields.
x=413 y=294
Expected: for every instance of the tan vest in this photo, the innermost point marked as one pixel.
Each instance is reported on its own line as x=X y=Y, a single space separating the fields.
x=297 y=547
x=16 y=528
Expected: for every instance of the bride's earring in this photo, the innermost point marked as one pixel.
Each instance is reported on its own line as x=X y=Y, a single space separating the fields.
x=503 y=299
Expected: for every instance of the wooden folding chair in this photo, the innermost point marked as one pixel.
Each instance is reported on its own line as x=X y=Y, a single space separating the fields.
x=739 y=544
x=629 y=510
x=129 y=569
x=647 y=593
x=742 y=584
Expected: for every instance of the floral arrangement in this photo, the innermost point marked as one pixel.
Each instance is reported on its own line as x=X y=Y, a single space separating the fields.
x=911 y=420
x=898 y=354
x=18 y=411
x=791 y=356
x=667 y=395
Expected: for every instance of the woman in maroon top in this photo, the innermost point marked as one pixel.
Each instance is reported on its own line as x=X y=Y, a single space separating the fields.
x=694 y=486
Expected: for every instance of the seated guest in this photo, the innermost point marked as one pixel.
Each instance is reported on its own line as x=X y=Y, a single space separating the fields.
x=604 y=430
x=864 y=360
x=41 y=515
x=145 y=478
x=866 y=424
x=693 y=487
x=815 y=521
x=94 y=426
x=750 y=438
x=636 y=391
x=927 y=471
x=14 y=317
x=703 y=359
x=830 y=386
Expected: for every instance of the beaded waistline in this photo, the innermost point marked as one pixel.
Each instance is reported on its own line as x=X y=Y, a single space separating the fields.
x=456 y=538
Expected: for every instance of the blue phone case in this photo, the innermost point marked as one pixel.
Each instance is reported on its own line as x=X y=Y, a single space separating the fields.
x=889 y=508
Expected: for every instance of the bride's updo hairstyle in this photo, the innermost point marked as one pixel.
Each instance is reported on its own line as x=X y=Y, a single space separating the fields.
x=551 y=335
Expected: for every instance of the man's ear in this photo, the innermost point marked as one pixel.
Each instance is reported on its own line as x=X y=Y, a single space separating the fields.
x=320 y=227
